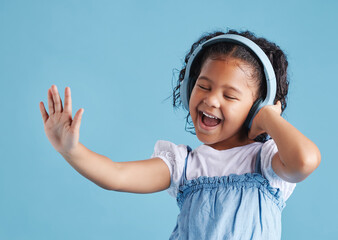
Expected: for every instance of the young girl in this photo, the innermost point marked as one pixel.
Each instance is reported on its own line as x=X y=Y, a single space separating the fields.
x=235 y=185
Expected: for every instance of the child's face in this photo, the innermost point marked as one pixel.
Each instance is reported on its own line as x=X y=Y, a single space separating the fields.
x=224 y=89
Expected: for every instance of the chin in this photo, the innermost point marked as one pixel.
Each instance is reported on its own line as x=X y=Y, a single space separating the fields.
x=206 y=139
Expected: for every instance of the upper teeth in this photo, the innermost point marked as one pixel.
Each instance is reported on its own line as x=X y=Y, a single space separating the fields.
x=209 y=115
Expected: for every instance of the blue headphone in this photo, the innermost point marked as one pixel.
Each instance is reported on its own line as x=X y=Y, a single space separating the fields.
x=188 y=82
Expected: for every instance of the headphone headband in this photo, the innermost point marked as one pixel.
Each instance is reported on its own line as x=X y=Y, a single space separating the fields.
x=187 y=85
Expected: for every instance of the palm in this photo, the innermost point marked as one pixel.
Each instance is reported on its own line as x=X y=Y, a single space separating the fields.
x=57 y=129
x=61 y=130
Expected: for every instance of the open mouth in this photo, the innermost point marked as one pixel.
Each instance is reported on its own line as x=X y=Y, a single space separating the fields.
x=208 y=120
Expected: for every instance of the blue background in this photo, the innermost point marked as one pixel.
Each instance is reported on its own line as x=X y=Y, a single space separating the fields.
x=118 y=58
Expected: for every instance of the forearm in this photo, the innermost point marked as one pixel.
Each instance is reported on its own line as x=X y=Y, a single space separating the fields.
x=297 y=152
x=97 y=168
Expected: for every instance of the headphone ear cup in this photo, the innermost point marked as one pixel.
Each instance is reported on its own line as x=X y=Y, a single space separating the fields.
x=251 y=115
x=190 y=87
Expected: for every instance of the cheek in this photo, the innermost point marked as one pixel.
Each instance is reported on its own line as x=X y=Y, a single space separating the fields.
x=238 y=111
x=193 y=99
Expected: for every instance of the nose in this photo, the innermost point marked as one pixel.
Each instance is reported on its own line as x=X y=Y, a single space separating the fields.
x=212 y=101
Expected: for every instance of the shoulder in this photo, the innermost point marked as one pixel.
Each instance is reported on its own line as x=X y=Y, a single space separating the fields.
x=169 y=150
x=174 y=156
x=269 y=149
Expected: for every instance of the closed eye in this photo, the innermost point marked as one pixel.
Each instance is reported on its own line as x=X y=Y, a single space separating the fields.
x=231 y=98
x=204 y=88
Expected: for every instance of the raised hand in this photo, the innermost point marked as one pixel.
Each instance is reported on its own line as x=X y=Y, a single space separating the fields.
x=257 y=126
x=62 y=131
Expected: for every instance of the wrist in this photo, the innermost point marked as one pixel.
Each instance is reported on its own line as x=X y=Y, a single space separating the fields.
x=269 y=117
x=73 y=152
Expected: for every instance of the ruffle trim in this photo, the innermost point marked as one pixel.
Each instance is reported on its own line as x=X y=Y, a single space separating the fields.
x=247 y=180
x=166 y=155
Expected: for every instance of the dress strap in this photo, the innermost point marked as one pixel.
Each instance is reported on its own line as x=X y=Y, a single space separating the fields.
x=258 y=162
x=185 y=166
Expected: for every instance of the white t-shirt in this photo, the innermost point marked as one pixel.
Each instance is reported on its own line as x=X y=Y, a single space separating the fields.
x=207 y=161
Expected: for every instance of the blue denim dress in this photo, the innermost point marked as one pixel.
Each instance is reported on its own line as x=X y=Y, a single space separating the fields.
x=228 y=207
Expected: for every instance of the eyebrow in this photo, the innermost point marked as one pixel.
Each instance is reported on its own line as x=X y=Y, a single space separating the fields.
x=224 y=86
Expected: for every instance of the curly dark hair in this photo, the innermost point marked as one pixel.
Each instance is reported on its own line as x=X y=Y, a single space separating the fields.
x=226 y=49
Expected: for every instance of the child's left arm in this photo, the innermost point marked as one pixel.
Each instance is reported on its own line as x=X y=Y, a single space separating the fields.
x=297 y=156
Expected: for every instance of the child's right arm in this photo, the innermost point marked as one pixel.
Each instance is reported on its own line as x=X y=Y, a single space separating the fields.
x=144 y=176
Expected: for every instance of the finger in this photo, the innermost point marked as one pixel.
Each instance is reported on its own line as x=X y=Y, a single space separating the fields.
x=279 y=105
x=61 y=103
x=56 y=99
x=77 y=120
x=43 y=112
x=50 y=102
x=251 y=135
x=68 y=101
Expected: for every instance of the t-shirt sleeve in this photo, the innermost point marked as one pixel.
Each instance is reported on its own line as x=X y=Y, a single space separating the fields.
x=269 y=149
x=174 y=156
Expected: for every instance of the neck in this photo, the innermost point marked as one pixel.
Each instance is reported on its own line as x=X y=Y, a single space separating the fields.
x=235 y=141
